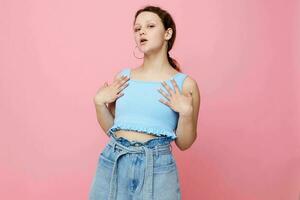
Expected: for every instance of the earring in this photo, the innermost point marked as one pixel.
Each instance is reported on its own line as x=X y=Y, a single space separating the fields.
x=134 y=53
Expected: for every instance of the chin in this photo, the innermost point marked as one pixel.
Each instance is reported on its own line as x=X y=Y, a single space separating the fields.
x=148 y=50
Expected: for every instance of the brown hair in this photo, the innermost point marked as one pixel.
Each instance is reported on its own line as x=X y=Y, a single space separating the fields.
x=168 y=22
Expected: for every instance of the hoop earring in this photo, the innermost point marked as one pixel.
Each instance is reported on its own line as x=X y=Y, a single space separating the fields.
x=134 y=53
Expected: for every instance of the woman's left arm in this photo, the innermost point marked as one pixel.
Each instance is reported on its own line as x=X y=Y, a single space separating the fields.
x=187 y=123
x=187 y=104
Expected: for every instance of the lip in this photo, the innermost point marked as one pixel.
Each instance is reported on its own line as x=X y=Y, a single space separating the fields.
x=142 y=43
x=143 y=39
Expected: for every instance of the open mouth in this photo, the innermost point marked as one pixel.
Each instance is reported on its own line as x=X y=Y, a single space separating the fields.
x=143 y=41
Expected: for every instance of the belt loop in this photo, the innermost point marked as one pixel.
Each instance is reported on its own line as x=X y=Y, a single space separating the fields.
x=156 y=151
x=171 y=147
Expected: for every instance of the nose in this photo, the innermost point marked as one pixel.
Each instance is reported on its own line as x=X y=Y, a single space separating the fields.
x=142 y=31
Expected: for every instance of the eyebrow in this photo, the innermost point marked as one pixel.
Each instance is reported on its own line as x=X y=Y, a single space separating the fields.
x=146 y=21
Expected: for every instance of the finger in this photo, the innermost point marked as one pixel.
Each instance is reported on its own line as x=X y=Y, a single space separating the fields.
x=121 y=81
x=167 y=87
x=120 y=94
x=164 y=93
x=164 y=102
x=175 y=86
x=120 y=78
x=125 y=79
x=123 y=87
x=115 y=82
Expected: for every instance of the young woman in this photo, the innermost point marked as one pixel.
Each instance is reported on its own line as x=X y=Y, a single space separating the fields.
x=137 y=162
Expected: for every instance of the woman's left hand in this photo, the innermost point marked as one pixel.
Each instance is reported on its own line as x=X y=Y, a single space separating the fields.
x=176 y=100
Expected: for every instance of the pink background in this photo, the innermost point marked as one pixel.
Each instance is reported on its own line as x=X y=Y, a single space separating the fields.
x=244 y=55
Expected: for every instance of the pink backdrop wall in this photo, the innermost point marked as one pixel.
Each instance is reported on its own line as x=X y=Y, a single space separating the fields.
x=244 y=55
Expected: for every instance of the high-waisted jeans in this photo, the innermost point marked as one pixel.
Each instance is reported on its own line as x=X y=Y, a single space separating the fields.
x=132 y=170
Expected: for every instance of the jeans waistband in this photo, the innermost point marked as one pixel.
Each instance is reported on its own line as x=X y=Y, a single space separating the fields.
x=149 y=151
x=151 y=143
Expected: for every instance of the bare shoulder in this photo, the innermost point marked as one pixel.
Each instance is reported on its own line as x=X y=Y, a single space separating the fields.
x=190 y=85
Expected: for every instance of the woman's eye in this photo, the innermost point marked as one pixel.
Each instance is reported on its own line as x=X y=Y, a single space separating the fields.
x=137 y=29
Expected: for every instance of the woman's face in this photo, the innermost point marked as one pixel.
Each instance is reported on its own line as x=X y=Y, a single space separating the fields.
x=149 y=26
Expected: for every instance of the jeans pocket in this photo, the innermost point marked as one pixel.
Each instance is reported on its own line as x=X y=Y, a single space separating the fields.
x=106 y=157
x=101 y=181
x=164 y=163
x=166 y=184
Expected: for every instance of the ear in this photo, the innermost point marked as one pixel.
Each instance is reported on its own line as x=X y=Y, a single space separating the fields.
x=169 y=33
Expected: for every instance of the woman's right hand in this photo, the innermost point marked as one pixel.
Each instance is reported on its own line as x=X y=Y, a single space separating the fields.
x=109 y=93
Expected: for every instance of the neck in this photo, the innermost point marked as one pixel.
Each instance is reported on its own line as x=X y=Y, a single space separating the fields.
x=156 y=62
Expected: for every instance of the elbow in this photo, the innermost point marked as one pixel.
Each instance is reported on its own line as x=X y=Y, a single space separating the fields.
x=184 y=147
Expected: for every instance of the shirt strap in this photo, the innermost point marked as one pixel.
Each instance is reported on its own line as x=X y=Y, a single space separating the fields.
x=180 y=79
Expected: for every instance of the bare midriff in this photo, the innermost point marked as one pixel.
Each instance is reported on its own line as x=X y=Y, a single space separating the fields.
x=134 y=135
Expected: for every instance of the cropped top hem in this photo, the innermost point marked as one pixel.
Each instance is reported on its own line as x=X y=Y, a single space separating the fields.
x=151 y=130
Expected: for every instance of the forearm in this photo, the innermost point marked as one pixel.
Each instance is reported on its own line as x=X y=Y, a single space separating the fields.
x=186 y=131
x=104 y=117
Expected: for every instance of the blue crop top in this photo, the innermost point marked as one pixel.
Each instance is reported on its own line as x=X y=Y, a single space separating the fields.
x=139 y=109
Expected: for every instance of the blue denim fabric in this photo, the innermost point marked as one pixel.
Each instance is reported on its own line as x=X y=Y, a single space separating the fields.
x=133 y=170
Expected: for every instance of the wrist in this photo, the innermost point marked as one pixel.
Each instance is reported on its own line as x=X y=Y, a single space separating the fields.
x=100 y=103
x=187 y=113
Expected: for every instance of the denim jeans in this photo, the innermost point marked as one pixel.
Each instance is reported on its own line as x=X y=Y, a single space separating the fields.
x=133 y=170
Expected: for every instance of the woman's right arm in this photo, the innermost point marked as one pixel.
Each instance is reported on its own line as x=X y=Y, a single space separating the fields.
x=104 y=117
x=106 y=111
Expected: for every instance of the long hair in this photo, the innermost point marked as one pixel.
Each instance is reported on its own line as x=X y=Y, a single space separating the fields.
x=168 y=22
